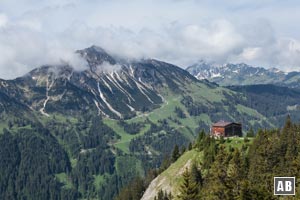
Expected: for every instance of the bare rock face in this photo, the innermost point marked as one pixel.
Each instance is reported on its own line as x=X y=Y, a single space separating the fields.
x=110 y=86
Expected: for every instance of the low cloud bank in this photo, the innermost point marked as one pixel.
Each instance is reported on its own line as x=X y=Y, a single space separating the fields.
x=50 y=33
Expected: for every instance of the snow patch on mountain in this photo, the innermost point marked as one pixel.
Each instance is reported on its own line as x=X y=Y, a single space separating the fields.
x=243 y=74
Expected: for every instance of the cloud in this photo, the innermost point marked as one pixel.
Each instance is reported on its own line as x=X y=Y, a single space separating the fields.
x=3 y=20
x=107 y=68
x=24 y=49
x=34 y=33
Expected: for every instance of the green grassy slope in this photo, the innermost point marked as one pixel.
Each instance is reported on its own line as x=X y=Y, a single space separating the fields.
x=189 y=126
x=171 y=178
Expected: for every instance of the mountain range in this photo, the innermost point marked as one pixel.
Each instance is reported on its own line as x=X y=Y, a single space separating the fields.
x=86 y=134
x=243 y=74
x=113 y=88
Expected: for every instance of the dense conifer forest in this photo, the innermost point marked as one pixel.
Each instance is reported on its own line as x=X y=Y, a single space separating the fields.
x=37 y=164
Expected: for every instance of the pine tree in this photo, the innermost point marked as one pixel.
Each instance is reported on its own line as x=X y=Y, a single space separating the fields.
x=196 y=174
x=200 y=140
x=188 y=188
x=235 y=173
x=288 y=145
x=218 y=186
x=264 y=158
x=175 y=154
x=163 y=195
x=209 y=152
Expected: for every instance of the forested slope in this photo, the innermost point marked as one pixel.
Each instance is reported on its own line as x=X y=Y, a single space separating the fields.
x=232 y=168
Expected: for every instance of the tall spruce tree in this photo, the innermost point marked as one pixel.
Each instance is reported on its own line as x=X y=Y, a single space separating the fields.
x=209 y=151
x=188 y=188
x=235 y=174
x=217 y=185
x=163 y=195
x=196 y=174
x=200 y=140
x=175 y=153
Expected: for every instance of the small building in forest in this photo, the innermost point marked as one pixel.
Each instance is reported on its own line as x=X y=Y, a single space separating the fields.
x=226 y=129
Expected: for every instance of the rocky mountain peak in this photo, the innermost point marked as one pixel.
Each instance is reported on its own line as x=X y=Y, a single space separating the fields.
x=243 y=74
x=111 y=87
x=95 y=56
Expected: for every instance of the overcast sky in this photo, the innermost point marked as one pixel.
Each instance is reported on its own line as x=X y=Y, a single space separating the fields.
x=258 y=32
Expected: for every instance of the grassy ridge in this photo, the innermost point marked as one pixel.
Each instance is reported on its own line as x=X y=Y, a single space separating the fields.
x=171 y=178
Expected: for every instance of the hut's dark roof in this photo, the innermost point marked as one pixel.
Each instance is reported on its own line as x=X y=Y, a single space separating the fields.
x=223 y=123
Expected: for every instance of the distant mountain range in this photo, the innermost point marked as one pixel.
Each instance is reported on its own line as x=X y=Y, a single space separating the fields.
x=243 y=74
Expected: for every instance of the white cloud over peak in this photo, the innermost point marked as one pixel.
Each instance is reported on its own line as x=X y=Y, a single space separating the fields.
x=3 y=20
x=33 y=33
